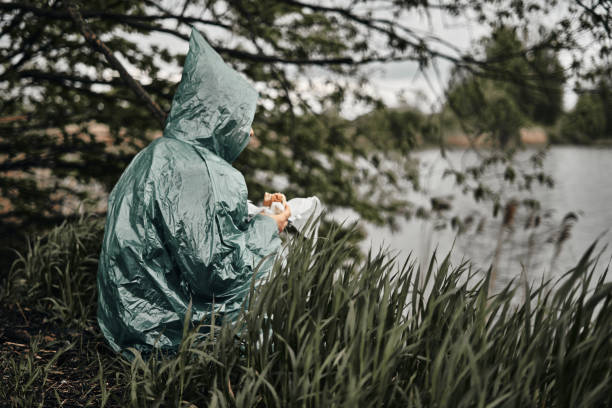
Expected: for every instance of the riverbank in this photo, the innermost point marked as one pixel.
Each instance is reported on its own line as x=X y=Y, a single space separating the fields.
x=323 y=331
x=529 y=136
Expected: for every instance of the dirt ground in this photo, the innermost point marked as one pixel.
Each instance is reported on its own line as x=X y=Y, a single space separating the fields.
x=64 y=367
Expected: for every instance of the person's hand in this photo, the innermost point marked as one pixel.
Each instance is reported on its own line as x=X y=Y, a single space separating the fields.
x=270 y=198
x=281 y=219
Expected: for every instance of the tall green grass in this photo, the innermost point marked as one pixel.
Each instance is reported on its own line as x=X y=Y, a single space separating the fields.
x=57 y=273
x=328 y=331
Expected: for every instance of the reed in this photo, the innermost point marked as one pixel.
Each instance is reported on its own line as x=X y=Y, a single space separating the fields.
x=57 y=273
x=327 y=330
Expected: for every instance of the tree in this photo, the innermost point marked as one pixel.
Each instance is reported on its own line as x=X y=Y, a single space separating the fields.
x=591 y=118
x=522 y=83
x=529 y=80
x=586 y=122
x=68 y=116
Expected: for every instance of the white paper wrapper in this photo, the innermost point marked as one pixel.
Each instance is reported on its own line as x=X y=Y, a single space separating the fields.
x=301 y=211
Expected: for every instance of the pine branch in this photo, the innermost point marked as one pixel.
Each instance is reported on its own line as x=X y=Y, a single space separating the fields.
x=99 y=46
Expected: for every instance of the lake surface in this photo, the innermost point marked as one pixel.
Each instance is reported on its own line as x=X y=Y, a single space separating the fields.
x=583 y=186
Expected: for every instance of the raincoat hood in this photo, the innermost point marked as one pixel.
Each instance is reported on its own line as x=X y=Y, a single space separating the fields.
x=214 y=105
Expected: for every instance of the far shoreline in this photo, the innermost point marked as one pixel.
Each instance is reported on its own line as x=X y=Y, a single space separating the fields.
x=530 y=137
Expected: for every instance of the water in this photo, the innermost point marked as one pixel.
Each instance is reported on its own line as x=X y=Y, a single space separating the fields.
x=583 y=185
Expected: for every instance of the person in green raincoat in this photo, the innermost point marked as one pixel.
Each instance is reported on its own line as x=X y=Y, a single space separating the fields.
x=178 y=230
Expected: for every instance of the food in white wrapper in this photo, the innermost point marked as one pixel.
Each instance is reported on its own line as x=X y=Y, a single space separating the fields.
x=302 y=209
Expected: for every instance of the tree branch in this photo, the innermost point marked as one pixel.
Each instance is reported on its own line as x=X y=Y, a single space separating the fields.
x=603 y=20
x=140 y=22
x=63 y=15
x=61 y=76
x=98 y=45
x=14 y=118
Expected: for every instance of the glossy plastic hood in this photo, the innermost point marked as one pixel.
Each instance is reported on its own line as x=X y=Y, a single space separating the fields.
x=214 y=105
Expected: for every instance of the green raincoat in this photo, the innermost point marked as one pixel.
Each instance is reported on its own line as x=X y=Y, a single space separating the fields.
x=177 y=228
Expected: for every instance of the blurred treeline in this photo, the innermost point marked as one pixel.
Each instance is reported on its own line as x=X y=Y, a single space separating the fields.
x=517 y=100
x=521 y=88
